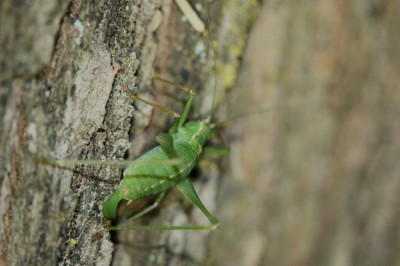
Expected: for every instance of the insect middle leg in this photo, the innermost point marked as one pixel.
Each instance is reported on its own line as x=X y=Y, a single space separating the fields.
x=147 y=209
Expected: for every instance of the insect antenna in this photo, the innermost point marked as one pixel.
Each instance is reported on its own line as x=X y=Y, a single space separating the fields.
x=71 y=165
x=214 y=56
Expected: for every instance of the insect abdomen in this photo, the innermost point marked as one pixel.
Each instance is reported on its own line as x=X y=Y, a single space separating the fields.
x=143 y=180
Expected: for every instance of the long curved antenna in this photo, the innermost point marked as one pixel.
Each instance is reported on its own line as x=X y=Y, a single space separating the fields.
x=199 y=26
x=214 y=58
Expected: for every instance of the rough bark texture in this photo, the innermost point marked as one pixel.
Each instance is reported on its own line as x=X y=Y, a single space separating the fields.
x=313 y=182
x=64 y=65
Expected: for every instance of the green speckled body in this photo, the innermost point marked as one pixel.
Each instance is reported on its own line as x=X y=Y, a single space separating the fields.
x=141 y=180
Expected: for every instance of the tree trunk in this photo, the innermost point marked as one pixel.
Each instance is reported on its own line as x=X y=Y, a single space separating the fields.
x=312 y=182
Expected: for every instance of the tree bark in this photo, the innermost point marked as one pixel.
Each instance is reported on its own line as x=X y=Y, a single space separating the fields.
x=64 y=65
x=312 y=177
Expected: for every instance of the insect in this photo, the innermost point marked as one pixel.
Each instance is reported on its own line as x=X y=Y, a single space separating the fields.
x=184 y=143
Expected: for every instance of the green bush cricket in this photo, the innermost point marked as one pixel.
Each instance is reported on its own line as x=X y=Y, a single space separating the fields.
x=184 y=142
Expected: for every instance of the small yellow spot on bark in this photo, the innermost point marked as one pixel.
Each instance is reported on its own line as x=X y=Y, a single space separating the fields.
x=72 y=242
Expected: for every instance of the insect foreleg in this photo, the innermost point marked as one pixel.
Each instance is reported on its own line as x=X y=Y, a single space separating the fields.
x=147 y=209
x=188 y=190
x=217 y=151
x=188 y=105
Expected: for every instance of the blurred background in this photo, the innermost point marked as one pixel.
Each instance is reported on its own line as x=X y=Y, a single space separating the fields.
x=316 y=181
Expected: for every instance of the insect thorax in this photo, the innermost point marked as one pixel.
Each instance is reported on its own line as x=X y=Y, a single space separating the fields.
x=196 y=133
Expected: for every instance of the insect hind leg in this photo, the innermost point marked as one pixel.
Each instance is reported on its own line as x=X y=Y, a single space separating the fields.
x=188 y=190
